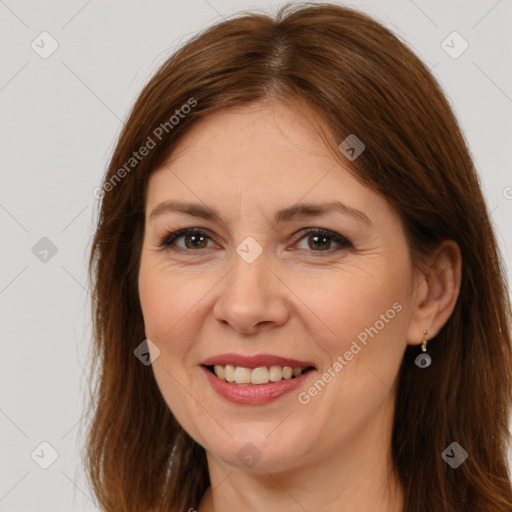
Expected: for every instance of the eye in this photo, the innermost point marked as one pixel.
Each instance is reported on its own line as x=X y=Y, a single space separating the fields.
x=192 y=238
x=321 y=240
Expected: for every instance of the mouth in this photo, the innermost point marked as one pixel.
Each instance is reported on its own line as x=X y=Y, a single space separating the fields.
x=257 y=379
x=260 y=375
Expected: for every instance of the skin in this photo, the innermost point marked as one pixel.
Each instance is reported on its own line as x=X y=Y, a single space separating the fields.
x=294 y=300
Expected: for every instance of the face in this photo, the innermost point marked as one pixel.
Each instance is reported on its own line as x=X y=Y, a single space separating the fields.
x=253 y=291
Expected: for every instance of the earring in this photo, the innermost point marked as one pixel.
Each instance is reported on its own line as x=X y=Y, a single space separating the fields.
x=423 y=360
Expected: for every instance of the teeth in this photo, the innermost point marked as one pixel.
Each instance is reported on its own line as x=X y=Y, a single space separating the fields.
x=219 y=371
x=260 y=375
x=275 y=373
x=229 y=372
x=242 y=375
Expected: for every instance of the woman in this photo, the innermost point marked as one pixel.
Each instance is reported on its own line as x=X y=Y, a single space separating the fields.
x=293 y=234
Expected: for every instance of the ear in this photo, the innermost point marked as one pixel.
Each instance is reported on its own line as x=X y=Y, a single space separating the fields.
x=435 y=294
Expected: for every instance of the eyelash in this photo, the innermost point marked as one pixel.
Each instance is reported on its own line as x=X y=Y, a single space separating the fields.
x=167 y=241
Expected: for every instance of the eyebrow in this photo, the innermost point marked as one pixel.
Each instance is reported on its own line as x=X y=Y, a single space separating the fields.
x=299 y=210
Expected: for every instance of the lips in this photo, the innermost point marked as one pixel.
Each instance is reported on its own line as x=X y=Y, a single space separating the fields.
x=248 y=390
x=255 y=361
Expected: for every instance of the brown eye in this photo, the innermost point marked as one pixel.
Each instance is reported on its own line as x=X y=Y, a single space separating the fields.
x=195 y=241
x=192 y=240
x=324 y=241
x=319 y=242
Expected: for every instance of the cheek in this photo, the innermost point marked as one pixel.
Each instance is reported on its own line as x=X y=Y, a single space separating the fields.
x=366 y=313
x=347 y=302
x=167 y=299
x=153 y=301
x=355 y=302
x=165 y=304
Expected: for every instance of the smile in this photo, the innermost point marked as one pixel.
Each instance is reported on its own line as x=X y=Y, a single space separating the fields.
x=260 y=375
x=255 y=394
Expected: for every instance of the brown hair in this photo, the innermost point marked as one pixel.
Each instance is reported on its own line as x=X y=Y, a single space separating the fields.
x=360 y=79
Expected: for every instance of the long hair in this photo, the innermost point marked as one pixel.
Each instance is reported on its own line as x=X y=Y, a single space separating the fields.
x=360 y=79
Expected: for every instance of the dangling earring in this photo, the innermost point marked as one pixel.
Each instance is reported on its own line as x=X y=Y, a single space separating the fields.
x=423 y=360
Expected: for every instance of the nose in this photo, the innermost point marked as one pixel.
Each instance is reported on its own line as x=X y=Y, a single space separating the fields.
x=252 y=297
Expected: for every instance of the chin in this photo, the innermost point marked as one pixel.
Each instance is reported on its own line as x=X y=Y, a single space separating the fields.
x=259 y=452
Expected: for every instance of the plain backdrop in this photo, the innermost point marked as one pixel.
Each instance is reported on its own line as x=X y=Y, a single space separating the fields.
x=60 y=115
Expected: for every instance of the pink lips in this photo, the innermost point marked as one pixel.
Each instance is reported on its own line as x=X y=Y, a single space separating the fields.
x=254 y=394
x=255 y=361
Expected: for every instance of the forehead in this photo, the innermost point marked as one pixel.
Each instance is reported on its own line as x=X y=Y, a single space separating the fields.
x=264 y=131
x=259 y=154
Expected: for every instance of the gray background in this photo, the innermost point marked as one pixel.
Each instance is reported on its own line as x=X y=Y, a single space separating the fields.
x=60 y=117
